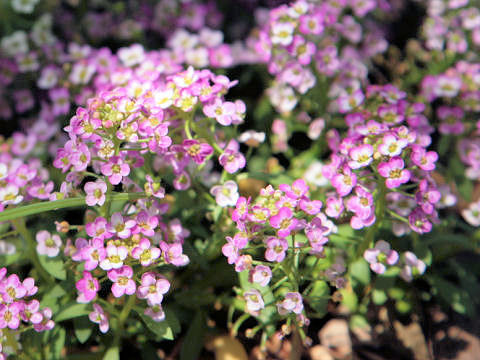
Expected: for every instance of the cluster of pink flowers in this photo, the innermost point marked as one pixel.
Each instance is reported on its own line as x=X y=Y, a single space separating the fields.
x=300 y=38
x=382 y=256
x=386 y=142
x=453 y=26
x=126 y=247
x=22 y=176
x=141 y=116
x=281 y=221
x=17 y=310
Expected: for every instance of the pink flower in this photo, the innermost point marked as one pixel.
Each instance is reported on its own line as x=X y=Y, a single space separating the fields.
x=361 y=156
x=173 y=254
x=87 y=287
x=254 y=301
x=293 y=302
x=362 y=203
x=344 y=181
x=380 y=256
x=48 y=244
x=122 y=281
x=93 y=254
x=153 y=188
x=115 y=169
x=334 y=206
x=413 y=266
x=284 y=222
x=46 y=323
x=419 y=221
x=155 y=312
x=95 y=192
x=98 y=228
x=261 y=275
x=146 y=223
x=232 y=160
x=222 y=111
x=153 y=287
x=196 y=150
x=299 y=189
x=423 y=159
x=12 y=289
x=10 y=315
x=347 y=102
x=394 y=172
x=276 y=249
x=99 y=317
x=145 y=252
x=241 y=209
x=391 y=146
x=118 y=225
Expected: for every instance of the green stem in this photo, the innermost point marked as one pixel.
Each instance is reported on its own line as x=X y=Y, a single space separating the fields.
x=37 y=208
x=20 y=226
x=121 y=320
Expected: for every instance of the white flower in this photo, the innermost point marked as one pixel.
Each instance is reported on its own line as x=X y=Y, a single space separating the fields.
x=282 y=33
x=472 y=214
x=132 y=55
x=313 y=174
x=6 y=248
x=24 y=6
x=16 y=43
x=226 y=194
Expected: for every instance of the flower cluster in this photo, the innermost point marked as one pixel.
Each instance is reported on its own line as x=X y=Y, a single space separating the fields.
x=302 y=37
x=386 y=144
x=453 y=26
x=382 y=256
x=126 y=250
x=282 y=222
x=140 y=116
x=17 y=310
x=22 y=176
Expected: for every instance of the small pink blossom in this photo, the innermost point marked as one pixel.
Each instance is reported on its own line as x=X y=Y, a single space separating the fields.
x=99 y=317
x=122 y=281
x=95 y=192
x=48 y=244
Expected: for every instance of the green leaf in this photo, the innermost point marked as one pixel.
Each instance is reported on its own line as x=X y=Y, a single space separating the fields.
x=56 y=341
x=360 y=272
x=161 y=329
x=193 y=342
x=319 y=296
x=112 y=353
x=349 y=299
x=7 y=260
x=453 y=296
x=40 y=207
x=83 y=329
x=72 y=310
x=54 y=266
x=379 y=297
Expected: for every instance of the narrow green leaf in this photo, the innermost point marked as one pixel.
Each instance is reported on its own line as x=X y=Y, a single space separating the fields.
x=40 y=207
x=72 y=310
x=193 y=342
